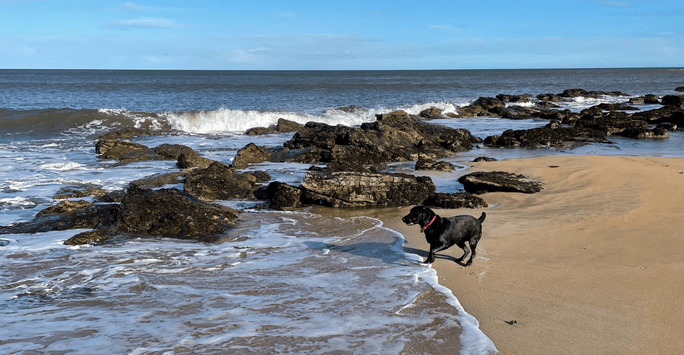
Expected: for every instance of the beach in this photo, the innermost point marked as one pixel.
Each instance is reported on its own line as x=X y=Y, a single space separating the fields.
x=590 y=265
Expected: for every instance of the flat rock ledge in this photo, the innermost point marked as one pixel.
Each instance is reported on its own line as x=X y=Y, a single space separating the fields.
x=499 y=181
x=356 y=189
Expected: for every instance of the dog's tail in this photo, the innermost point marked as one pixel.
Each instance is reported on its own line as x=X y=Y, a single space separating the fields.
x=482 y=218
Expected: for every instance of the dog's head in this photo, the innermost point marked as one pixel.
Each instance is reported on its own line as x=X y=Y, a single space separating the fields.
x=420 y=215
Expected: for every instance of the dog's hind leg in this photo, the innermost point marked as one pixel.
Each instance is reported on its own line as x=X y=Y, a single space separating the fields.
x=473 y=244
x=465 y=251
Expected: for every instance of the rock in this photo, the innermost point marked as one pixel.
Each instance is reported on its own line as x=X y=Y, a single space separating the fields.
x=113 y=196
x=455 y=200
x=514 y=98
x=282 y=195
x=261 y=176
x=680 y=88
x=351 y=189
x=186 y=161
x=673 y=100
x=171 y=213
x=590 y=94
x=158 y=180
x=483 y=159
x=114 y=149
x=491 y=181
x=429 y=164
x=660 y=132
x=609 y=123
x=431 y=113
x=482 y=107
x=67 y=215
x=615 y=107
x=554 y=125
x=514 y=112
x=550 y=97
x=319 y=135
x=545 y=105
x=284 y=126
x=351 y=109
x=173 y=151
x=544 y=137
x=256 y=131
x=646 y=99
x=669 y=113
x=79 y=191
x=129 y=132
x=219 y=182
x=99 y=235
x=249 y=154
x=564 y=116
x=395 y=136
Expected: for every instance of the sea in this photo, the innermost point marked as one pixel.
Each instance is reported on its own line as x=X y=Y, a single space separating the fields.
x=307 y=281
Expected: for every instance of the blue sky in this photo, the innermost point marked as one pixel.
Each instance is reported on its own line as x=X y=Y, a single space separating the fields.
x=319 y=35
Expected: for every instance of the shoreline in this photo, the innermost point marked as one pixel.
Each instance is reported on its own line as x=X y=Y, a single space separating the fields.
x=592 y=264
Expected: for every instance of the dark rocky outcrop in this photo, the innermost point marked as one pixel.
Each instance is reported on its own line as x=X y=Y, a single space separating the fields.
x=167 y=213
x=429 y=164
x=219 y=182
x=545 y=136
x=431 y=113
x=186 y=161
x=679 y=88
x=115 y=149
x=395 y=136
x=483 y=159
x=672 y=100
x=615 y=107
x=351 y=189
x=257 y=131
x=284 y=126
x=659 y=132
x=171 y=213
x=514 y=98
x=491 y=181
x=126 y=152
x=251 y=153
x=590 y=94
x=646 y=99
x=129 y=132
x=158 y=180
x=550 y=98
x=67 y=215
x=282 y=195
x=454 y=200
x=79 y=191
x=482 y=107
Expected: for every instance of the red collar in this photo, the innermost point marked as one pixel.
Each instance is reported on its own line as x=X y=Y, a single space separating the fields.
x=426 y=227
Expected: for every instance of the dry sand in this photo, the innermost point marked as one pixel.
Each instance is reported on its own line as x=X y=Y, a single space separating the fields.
x=593 y=264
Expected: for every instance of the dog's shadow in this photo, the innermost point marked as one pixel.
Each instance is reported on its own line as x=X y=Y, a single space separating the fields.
x=424 y=254
x=387 y=252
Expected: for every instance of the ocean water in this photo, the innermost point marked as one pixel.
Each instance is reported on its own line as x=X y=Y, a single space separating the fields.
x=281 y=282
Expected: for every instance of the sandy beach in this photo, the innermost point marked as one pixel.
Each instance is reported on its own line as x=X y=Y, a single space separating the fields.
x=593 y=264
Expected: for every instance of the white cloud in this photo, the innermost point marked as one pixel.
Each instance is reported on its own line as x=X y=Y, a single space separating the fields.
x=145 y=22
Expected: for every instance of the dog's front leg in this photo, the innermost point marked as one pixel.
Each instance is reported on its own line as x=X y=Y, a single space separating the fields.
x=433 y=250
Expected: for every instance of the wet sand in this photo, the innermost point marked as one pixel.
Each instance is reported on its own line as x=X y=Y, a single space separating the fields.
x=593 y=264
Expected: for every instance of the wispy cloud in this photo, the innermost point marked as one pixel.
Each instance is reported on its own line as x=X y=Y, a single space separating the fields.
x=144 y=23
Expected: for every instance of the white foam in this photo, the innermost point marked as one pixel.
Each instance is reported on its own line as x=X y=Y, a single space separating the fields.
x=62 y=166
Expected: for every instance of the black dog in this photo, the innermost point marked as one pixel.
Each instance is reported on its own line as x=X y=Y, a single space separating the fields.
x=442 y=233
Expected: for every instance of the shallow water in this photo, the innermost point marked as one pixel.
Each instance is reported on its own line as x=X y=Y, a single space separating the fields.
x=280 y=282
